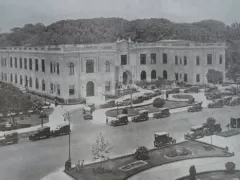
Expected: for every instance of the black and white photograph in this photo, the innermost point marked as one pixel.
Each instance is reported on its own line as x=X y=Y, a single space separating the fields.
x=120 y=90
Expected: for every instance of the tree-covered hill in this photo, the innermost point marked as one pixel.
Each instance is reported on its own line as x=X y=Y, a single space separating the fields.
x=100 y=30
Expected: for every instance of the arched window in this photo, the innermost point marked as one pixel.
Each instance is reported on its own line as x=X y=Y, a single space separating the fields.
x=220 y=59
x=107 y=66
x=57 y=68
x=176 y=60
x=43 y=85
x=71 y=68
x=153 y=74
x=51 y=67
x=90 y=89
x=11 y=77
x=143 y=75
x=30 y=82
x=165 y=74
x=21 y=80
x=185 y=60
x=89 y=66
x=16 y=79
x=36 y=83
x=26 y=81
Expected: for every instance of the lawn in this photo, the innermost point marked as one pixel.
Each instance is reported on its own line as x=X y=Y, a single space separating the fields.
x=150 y=108
x=229 y=133
x=157 y=157
x=217 y=175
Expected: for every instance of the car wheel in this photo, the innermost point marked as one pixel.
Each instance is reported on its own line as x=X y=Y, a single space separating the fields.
x=156 y=144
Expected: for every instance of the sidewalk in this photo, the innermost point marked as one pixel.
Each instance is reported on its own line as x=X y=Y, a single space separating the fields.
x=55 y=118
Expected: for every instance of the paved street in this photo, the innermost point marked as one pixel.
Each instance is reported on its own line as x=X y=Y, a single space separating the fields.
x=34 y=160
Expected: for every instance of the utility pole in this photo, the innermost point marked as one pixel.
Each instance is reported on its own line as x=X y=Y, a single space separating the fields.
x=66 y=116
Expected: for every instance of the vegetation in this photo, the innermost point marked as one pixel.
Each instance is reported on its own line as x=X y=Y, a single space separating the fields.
x=158 y=102
x=142 y=153
x=230 y=167
x=192 y=172
x=125 y=111
x=214 y=76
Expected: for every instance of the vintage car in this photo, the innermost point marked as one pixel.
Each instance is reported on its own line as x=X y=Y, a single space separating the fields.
x=227 y=100
x=191 y=100
x=164 y=112
x=210 y=89
x=156 y=92
x=42 y=132
x=87 y=116
x=195 y=108
x=61 y=129
x=147 y=96
x=137 y=100
x=121 y=119
x=195 y=132
x=234 y=102
x=218 y=103
x=162 y=138
x=210 y=130
x=143 y=116
x=9 y=138
x=108 y=104
x=214 y=95
x=124 y=102
x=193 y=89
x=235 y=122
x=175 y=90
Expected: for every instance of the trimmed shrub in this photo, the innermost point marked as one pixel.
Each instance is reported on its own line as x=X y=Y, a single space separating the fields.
x=158 y=103
x=153 y=87
x=178 y=151
x=192 y=172
x=125 y=111
x=142 y=153
x=230 y=167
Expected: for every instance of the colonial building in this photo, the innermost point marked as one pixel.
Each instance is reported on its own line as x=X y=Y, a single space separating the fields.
x=90 y=71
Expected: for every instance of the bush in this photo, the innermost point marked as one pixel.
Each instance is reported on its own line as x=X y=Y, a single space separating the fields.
x=192 y=172
x=158 y=103
x=178 y=151
x=153 y=87
x=230 y=167
x=125 y=111
x=142 y=153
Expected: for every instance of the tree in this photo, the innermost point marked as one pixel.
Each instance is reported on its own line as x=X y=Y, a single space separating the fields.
x=214 y=76
x=158 y=102
x=101 y=150
x=192 y=172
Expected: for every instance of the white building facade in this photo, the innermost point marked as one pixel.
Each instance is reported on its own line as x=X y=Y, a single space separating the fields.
x=71 y=72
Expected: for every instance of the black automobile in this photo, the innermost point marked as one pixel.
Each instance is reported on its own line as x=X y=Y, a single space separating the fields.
x=42 y=132
x=61 y=129
x=87 y=116
x=121 y=119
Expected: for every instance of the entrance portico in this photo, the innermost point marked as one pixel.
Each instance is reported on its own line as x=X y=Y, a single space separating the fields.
x=127 y=78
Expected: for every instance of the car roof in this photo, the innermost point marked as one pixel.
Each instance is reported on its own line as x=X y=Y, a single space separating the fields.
x=161 y=133
x=64 y=124
x=142 y=111
x=44 y=127
x=9 y=133
x=87 y=108
x=122 y=115
x=196 y=127
x=162 y=109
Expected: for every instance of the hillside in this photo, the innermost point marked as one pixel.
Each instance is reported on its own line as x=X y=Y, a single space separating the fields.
x=100 y=30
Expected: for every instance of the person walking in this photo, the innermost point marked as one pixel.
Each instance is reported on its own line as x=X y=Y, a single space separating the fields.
x=107 y=121
x=166 y=95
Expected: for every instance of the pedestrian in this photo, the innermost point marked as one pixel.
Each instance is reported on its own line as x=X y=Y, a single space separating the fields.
x=166 y=95
x=107 y=121
x=82 y=162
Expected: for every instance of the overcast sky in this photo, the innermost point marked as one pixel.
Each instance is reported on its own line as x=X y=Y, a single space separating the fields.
x=16 y=13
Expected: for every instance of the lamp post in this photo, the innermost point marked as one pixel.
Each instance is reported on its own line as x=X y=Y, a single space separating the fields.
x=41 y=116
x=66 y=116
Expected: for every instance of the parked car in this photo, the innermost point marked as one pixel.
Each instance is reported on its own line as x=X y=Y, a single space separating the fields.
x=191 y=100
x=195 y=132
x=227 y=100
x=61 y=129
x=42 y=132
x=147 y=96
x=193 y=89
x=156 y=92
x=143 y=116
x=162 y=138
x=164 y=112
x=108 y=104
x=235 y=122
x=210 y=89
x=121 y=119
x=87 y=116
x=174 y=90
x=234 y=102
x=9 y=138
x=216 y=104
x=195 y=108
x=138 y=100
x=214 y=95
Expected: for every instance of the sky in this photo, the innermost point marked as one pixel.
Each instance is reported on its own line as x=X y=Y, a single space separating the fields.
x=16 y=13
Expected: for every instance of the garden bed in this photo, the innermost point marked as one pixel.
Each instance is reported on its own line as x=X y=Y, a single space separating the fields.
x=131 y=166
x=150 y=108
x=182 y=96
x=232 y=132
x=215 y=175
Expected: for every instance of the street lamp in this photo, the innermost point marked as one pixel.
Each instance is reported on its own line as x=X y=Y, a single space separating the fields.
x=66 y=116
x=41 y=116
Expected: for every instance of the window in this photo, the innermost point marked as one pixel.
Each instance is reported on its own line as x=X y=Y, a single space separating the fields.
x=51 y=67
x=30 y=64
x=51 y=85
x=180 y=62
x=107 y=86
x=25 y=63
x=176 y=60
x=26 y=81
x=2 y=76
x=30 y=82
x=36 y=64
x=143 y=75
x=142 y=58
x=16 y=64
x=165 y=75
x=209 y=59
x=185 y=60
x=57 y=68
x=185 y=78
x=153 y=74
x=16 y=79
x=20 y=62
x=54 y=68
x=43 y=65
x=11 y=77
x=197 y=61
x=71 y=90
x=198 y=78
x=164 y=58
x=220 y=59
x=11 y=63
x=89 y=66
x=21 y=80
x=58 y=89
x=123 y=59
x=36 y=83
x=107 y=66
x=71 y=69
x=153 y=58
x=176 y=76
x=180 y=76
x=43 y=85
x=6 y=77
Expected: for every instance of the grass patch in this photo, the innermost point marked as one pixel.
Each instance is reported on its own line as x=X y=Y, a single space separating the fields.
x=182 y=96
x=229 y=133
x=150 y=108
x=215 y=175
x=157 y=157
